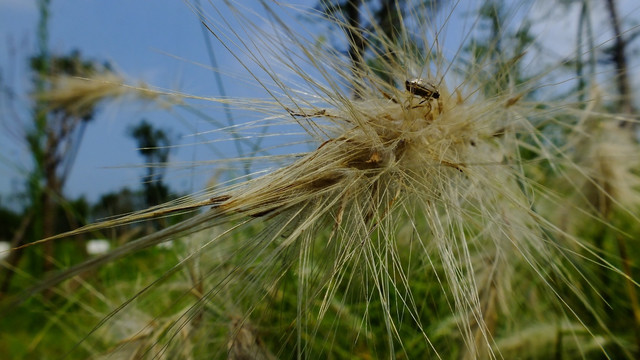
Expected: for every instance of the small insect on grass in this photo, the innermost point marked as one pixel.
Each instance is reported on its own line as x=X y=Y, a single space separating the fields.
x=422 y=88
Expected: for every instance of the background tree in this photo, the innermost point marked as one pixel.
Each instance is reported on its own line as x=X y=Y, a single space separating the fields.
x=618 y=57
x=378 y=31
x=495 y=55
x=153 y=145
x=53 y=141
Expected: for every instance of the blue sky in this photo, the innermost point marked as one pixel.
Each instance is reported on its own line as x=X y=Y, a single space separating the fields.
x=161 y=42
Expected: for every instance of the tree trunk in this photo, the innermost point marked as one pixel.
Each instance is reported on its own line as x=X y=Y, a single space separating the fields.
x=620 y=61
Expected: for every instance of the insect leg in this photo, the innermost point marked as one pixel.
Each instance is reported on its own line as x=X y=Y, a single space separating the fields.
x=302 y=114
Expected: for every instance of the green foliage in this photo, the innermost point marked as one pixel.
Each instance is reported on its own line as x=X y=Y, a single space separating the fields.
x=9 y=223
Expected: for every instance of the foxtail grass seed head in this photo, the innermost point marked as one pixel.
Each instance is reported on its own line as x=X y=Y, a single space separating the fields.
x=78 y=96
x=422 y=223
